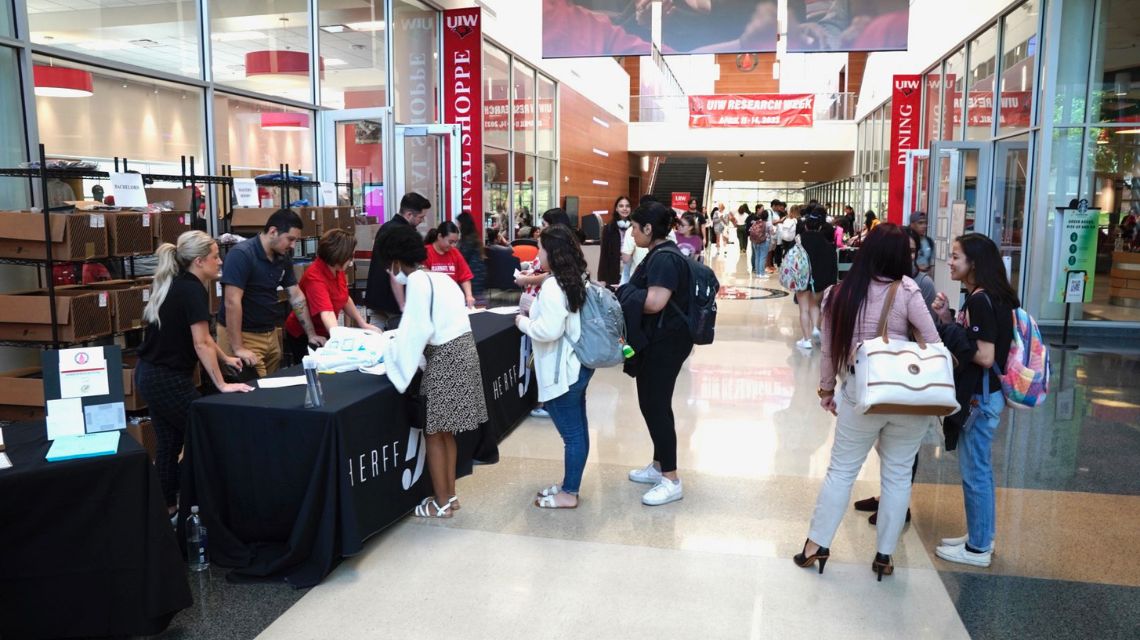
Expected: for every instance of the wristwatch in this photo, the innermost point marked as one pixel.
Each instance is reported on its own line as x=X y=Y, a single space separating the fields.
x=825 y=393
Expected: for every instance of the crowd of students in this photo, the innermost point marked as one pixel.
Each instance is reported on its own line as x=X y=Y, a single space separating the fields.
x=425 y=285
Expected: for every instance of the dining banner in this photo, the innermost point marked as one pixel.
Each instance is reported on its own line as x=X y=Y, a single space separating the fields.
x=752 y=110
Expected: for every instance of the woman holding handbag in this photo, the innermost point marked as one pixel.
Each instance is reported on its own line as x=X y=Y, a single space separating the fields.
x=876 y=297
x=435 y=326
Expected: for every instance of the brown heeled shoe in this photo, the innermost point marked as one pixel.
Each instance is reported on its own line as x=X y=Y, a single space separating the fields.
x=804 y=561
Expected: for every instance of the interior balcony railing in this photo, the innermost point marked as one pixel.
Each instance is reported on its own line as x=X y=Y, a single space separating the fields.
x=835 y=107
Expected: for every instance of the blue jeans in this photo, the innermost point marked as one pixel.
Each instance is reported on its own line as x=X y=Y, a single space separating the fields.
x=568 y=411
x=974 y=461
x=759 y=257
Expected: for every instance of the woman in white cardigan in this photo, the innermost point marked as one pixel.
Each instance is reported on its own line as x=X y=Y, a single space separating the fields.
x=434 y=327
x=553 y=324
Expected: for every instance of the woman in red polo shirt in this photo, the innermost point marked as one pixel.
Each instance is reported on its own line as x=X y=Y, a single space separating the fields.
x=326 y=291
x=443 y=257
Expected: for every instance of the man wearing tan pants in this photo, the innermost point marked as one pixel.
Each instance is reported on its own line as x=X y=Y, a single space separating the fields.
x=253 y=270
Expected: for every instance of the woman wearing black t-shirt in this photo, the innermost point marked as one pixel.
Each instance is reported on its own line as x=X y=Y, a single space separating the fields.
x=177 y=339
x=988 y=319
x=660 y=279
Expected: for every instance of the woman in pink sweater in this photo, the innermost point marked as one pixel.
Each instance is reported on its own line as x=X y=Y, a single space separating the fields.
x=851 y=312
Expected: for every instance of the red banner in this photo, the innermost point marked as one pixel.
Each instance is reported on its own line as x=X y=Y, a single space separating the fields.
x=752 y=110
x=462 y=95
x=681 y=200
x=495 y=114
x=906 y=101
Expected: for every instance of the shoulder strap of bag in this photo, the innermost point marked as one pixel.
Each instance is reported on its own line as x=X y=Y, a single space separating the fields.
x=882 y=330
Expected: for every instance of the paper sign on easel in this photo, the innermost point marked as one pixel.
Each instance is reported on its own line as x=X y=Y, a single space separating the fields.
x=128 y=189
x=82 y=372
x=245 y=191
x=328 y=194
x=65 y=418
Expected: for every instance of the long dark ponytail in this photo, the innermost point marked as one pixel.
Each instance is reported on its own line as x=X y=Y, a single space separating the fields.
x=444 y=229
x=989 y=270
x=566 y=263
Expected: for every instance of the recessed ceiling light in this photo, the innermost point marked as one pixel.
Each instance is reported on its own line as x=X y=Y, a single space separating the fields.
x=805 y=162
x=719 y=162
x=762 y=162
x=334 y=28
x=803 y=172
x=237 y=36
x=372 y=25
x=334 y=62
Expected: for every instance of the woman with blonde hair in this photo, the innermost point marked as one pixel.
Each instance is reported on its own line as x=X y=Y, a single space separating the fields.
x=177 y=339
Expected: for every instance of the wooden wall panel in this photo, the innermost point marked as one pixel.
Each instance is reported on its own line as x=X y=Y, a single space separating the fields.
x=579 y=165
x=632 y=66
x=758 y=80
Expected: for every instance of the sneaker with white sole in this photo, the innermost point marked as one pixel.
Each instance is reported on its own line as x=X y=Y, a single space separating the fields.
x=815 y=334
x=663 y=492
x=962 y=555
x=961 y=541
x=803 y=344
x=539 y=412
x=648 y=475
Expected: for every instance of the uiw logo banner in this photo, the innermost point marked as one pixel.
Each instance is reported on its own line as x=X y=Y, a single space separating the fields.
x=906 y=86
x=463 y=25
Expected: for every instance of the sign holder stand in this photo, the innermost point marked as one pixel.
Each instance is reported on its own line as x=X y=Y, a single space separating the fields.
x=1074 y=292
x=1064 y=344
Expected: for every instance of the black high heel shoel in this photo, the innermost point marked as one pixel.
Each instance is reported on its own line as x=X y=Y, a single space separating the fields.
x=804 y=561
x=882 y=566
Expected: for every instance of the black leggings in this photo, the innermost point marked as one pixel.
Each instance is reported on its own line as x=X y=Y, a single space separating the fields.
x=168 y=394
x=657 y=373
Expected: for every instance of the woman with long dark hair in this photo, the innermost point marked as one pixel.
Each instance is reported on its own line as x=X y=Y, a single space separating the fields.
x=551 y=323
x=818 y=241
x=471 y=248
x=612 y=265
x=741 y=222
x=851 y=313
x=444 y=257
x=988 y=317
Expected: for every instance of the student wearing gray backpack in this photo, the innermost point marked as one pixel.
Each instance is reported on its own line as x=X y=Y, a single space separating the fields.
x=554 y=325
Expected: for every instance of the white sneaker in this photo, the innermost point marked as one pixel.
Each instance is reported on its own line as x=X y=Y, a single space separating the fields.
x=803 y=344
x=663 y=492
x=648 y=475
x=539 y=412
x=961 y=541
x=961 y=555
x=815 y=334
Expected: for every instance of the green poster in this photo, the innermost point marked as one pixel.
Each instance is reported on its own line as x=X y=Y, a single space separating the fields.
x=1076 y=249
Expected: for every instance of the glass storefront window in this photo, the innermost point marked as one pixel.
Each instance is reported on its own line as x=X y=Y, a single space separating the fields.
x=13 y=193
x=1011 y=197
x=149 y=122
x=1018 y=61
x=523 y=83
x=162 y=36
x=249 y=139
x=523 y=188
x=262 y=46
x=954 y=80
x=545 y=190
x=980 y=89
x=6 y=19
x=1116 y=74
x=496 y=103
x=932 y=98
x=415 y=64
x=353 y=46
x=546 y=116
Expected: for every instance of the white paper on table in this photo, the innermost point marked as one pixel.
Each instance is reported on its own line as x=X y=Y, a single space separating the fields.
x=285 y=381
x=82 y=373
x=5 y=463
x=505 y=311
x=375 y=370
x=110 y=416
x=65 y=418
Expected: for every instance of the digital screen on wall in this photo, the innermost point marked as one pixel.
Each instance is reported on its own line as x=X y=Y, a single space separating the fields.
x=847 y=25
x=595 y=28
x=718 y=26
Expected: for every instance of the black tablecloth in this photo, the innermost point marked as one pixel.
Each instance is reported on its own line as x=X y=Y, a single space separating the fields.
x=85 y=545
x=286 y=492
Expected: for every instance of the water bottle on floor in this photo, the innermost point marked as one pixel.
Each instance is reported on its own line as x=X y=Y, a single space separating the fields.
x=196 y=553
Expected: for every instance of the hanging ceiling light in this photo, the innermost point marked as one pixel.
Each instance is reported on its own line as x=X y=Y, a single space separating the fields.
x=284 y=121
x=62 y=82
x=279 y=69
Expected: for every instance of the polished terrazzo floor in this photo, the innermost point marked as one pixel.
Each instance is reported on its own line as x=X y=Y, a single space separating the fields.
x=753 y=449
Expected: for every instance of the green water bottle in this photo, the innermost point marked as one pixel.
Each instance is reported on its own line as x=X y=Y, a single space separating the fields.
x=627 y=351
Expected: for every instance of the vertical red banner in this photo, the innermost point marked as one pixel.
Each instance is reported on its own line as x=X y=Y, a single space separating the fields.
x=906 y=105
x=463 y=100
x=681 y=200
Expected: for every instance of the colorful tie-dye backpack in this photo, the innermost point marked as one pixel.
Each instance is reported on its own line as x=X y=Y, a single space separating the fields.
x=1025 y=381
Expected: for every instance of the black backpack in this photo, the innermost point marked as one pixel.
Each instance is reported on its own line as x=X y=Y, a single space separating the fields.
x=703 y=288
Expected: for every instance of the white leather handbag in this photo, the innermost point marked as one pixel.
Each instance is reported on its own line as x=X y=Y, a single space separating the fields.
x=903 y=377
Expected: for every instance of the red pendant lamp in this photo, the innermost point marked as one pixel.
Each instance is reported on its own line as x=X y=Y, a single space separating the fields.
x=62 y=82
x=279 y=68
x=285 y=121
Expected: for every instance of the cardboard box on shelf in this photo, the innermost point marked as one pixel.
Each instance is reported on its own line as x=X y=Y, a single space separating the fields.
x=249 y=221
x=130 y=233
x=311 y=219
x=366 y=236
x=22 y=393
x=216 y=291
x=180 y=199
x=328 y=218
x=128 y=298
x=143 y=433
x=74 y=236
x=168 y=225
x=80 y=315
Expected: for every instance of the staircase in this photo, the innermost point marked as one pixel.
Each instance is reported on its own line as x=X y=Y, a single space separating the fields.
x=680 y=175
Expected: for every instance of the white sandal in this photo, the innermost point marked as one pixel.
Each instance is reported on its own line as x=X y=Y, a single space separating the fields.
x=547 y=502
x=550 y=491
x=453 y=502
x=423 y=509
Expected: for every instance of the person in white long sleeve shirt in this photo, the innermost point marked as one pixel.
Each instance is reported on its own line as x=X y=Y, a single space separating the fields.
x=434 y=329
x=554 y=324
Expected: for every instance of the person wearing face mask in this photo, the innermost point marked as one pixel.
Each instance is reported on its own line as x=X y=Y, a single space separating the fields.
x=443 y=257
x=247 y=321
x=383 y=297
x=612 y=263
x=435 y=328
x=326 y=291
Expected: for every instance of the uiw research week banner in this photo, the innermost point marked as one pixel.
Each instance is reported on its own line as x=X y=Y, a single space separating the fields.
x=752 y=110
x=463 y=98
x=906 y=102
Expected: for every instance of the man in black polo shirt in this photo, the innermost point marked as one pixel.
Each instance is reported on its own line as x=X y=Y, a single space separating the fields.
x=384 y=296
x=254 y=268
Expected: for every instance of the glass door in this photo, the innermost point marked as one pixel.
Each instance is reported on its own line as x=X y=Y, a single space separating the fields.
x=356 y=147
x=959 y=189
x=1010 y=201
x=915 y=187
x=426 y=161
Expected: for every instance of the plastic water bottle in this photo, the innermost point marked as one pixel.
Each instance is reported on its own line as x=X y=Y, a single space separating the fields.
x=196 y=553
x=314 y=396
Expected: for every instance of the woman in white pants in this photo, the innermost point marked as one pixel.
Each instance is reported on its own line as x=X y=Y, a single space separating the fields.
x=851 y=313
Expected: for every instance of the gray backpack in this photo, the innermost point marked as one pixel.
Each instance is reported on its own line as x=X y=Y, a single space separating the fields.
x=603 y=330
